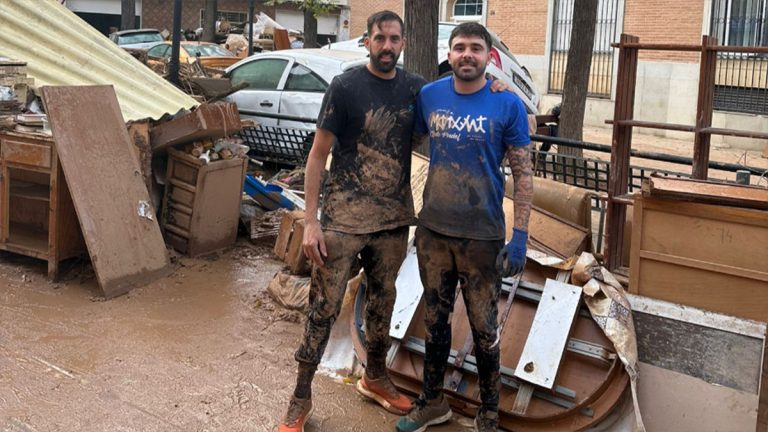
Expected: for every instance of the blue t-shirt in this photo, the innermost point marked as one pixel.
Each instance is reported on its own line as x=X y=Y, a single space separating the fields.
x=468 y=135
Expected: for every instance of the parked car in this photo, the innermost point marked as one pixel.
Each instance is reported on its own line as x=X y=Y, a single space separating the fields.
x=503 y=66
x=136 y=39
x=288 y=83
x=208 y=54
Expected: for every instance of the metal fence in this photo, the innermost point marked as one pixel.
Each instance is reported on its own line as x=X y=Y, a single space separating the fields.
x=741 y=83
x=606 y=32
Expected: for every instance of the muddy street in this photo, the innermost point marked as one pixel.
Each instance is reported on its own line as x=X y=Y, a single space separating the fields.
x=204 y=349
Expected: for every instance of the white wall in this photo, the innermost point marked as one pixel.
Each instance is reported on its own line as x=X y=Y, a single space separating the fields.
x=111 y=7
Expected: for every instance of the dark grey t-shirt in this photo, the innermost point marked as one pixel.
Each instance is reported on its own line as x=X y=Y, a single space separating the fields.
x=368 y=188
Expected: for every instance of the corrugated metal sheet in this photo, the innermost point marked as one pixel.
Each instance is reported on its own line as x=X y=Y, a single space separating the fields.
x=62 y=49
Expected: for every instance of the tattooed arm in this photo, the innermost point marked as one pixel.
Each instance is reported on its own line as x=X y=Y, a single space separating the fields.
x=522 y=173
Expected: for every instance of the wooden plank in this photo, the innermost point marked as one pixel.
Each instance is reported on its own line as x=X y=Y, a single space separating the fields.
x=207 y=121
x=36 y=155
x=295 y=258
x=705 y=265
x=706 y=192
x=704 y=107
x=126 y=249
x=286 y=230
x=549 y=334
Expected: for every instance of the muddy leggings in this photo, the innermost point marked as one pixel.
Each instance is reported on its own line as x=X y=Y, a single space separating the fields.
x=443 y=263
x=381 y=255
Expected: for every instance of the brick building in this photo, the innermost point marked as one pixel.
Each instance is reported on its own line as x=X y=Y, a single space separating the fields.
x=538 y=33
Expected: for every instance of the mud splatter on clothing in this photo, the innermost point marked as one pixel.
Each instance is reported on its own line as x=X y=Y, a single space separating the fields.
x=381 y=255
x=443 y=262
x=468 y=137
x=368 y=187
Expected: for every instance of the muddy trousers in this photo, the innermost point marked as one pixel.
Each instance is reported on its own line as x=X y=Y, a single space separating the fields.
x=444 y=263
x=381 y=254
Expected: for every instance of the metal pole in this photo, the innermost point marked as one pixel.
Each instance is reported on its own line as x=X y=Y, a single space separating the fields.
x=250 y=27
x=173 y=72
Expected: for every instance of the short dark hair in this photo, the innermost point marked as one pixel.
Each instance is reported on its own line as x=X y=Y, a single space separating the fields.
x=384 y=16
x=471 y=29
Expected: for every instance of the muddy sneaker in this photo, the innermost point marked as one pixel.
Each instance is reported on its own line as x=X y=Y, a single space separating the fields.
x=425 y=414
x=384 y=392
x=299 y=412
x=487 y=421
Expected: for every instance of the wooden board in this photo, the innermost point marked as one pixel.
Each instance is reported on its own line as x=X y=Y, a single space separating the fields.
x=549 y=333
x=706 y=192
x=295 y=258
x=105 y=181
x=707 y=256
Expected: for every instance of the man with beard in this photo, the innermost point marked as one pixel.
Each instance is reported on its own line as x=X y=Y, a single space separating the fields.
x=367 y=208
x=461 y=229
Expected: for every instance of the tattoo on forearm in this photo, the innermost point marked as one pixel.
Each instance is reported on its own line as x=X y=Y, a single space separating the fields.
x=522 y=174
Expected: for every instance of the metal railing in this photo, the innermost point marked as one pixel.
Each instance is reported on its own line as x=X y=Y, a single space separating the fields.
x=741 y=82
x=601 y=72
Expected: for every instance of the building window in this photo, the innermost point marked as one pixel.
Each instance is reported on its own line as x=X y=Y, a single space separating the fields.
x=467 y=8
x=741 y=79
x=606 y=32
x=233 y=17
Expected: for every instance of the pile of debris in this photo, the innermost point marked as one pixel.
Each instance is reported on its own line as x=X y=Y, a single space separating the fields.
x=14 y=90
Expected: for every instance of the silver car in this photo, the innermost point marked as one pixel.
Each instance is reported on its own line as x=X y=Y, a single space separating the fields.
x=286 y=87
x=137 y=39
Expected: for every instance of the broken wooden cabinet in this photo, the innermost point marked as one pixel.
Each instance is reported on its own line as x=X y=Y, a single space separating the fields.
x=707 y=256
x=201 y=208
x=37 y=217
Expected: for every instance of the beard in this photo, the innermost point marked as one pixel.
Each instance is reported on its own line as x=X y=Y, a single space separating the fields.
x=384 y=66
x=468 y=75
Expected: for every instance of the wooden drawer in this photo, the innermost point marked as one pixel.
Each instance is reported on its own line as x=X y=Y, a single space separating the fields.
x=35 y=155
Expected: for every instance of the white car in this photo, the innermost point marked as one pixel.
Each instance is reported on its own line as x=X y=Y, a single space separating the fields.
x=137 y=39
x=503 y=66
x=286 y=87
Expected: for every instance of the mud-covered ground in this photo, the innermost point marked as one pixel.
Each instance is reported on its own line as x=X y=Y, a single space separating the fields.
x=205 y=349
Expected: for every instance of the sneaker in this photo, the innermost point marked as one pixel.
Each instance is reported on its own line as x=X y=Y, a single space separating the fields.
x=384 y=392
x=486 y=421
x=299 y=412
x=425 y=414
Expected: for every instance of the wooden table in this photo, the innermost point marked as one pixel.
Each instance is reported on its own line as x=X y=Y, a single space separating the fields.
x=37 y=217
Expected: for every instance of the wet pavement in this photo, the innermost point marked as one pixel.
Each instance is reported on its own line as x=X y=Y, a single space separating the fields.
x=202 y=350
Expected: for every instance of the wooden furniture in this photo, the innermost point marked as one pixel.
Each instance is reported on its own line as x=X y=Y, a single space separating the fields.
x=708 y=256
x=37 y=217
x=201 y=208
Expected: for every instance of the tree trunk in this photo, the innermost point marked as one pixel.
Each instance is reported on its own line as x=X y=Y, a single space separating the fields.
x=577 y=74
x=127 y=14
x=310 y=30
x=421 y=18
x=209 y=24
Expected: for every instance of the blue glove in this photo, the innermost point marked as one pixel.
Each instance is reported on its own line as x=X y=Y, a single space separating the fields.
x=511 y=259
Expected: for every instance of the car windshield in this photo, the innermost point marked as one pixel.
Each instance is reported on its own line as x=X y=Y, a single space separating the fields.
x=134 y=38
x=206 y=50
x=444 y=31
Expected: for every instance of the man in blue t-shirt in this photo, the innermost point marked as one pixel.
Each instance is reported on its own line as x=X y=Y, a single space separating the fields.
x=460 y=237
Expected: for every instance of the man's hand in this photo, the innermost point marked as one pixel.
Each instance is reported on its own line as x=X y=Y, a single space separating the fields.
x=313 y=243
x=498 y=85
x=511 y=259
